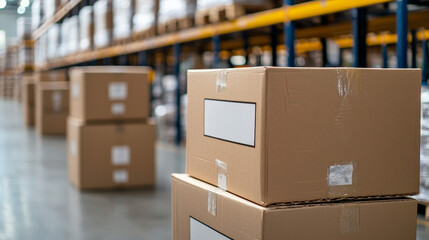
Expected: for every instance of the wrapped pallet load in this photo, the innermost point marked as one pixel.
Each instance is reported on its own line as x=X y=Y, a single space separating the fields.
x=424 y=147
x=73 y=40
x=36 y=13
x=50 y=7
x=63 y=49
x=86 y=28
x=122 y=19
x=175 y=14
x=103 y=23
x=40 y=51
x=144 y=18
x=23 y=28
x=53 y=41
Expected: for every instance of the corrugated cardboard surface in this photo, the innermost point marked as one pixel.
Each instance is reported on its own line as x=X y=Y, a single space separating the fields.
x=90 y=99
x=309 y=121
x=28 y=101
x=237 y=218
x=51 y=119
x=90 y=157
x=51 y=76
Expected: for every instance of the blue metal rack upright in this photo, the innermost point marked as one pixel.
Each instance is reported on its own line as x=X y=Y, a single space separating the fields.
x=177 y=54
x=289 y=32
x=359 y=28
x=402 y=32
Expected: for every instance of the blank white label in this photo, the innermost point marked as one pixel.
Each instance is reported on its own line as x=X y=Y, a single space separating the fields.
x=201 y=231
x=120 y=155
x=230 y=121
x=75 y=90
x=118 y=90
x=120 y=176
x=57 y=98
x=118 y=108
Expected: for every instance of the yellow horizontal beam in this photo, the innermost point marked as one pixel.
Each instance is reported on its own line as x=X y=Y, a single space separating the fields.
x=261 y=19
x=61 y=13
x=318 y=8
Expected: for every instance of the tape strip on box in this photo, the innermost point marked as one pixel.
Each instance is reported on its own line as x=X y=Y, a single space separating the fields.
x=222 y=173
x=221 y=80
x=349 y=81
x=211 y=202
x=349 y=219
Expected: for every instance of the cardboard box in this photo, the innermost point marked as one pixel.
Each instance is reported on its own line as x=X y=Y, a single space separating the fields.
x=28 y=100
x=109 y=93
x=52 y=107
x=276 y=135
x=52 y=76
x=202 y=211
x=110 y=155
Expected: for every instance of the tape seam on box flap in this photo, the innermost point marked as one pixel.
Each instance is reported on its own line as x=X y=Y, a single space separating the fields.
x=211 y=203
x=349 y=81
x=221 y=80
x=222 y=172
x=349 y=219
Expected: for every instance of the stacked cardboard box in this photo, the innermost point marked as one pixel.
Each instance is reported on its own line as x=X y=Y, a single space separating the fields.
x=28 y=99
x=52 y=102
x=284 y=148
x=110 y=140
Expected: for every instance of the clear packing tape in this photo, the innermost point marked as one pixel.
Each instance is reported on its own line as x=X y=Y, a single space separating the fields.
x=221 y=80
x=424 y=146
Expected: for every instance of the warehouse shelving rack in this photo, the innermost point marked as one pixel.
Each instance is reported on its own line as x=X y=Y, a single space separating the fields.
x=359 y=27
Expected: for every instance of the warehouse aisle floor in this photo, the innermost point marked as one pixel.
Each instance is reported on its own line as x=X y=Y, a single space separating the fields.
x=37 y=202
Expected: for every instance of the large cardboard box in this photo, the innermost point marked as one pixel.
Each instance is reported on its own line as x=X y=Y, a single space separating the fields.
x=202 y=211
x=110 y=155
x=59 y=75
x=52 y=107
x=302 y=134
x=109 y=93
x=28 y=100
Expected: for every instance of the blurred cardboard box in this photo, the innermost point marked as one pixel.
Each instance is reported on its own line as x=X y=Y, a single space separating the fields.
x=52 y=76
x=28 y=100
x=275 y=135
x=202 y=211
x=52 y=107
x=109 y=93
x=110 y=155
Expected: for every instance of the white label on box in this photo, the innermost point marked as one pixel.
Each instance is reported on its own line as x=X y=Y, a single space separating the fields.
x=118 y=90
x=199 y=231
x=75 y=90
x=120 y=176
x=230 y=121
x=57 y=98
x=73 y=148
x=340 y=175
x=118 y=108
x=120 y=155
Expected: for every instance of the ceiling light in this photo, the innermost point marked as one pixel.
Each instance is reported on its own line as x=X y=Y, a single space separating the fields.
x=25 y=3
x=2 y=4
x=20 y=10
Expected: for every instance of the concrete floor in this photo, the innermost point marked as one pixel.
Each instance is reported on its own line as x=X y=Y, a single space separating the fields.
x=37 y=202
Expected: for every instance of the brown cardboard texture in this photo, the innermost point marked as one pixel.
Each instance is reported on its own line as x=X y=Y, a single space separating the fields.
x=52 y=107
x=202 y=211
x=109 y=155
x=302 y=134
x=109 y=93
x=59 y=75
x=28 y=100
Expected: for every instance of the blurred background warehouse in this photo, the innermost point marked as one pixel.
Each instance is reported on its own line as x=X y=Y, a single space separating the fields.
x=172 y=36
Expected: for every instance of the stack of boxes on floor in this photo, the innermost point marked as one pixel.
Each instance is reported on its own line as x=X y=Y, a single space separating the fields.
x=29 y=99
x=52 y=102
x=294 y=153
x=110 y=138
